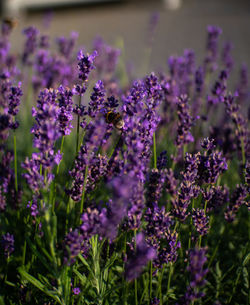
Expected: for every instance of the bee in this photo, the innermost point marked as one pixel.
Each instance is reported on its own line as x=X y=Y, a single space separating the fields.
x=115 y=119
x=11 y=22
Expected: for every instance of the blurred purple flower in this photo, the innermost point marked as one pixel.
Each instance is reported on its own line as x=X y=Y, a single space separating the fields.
x=7 y=244
x=31 y=43
x=143 y=254
x=210 y=62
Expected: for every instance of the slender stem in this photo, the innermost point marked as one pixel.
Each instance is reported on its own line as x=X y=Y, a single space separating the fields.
x=243 y=151
x=83 y=190
x=78 y=127
x=61 y=149
x=150 y=279
x=136 y=295
x=124 y=293
x=7 y=267
x=15 y=163
x=160 y=285
x=54 y=181
x=24 y=252
x=155 y=157
x=169 y=279
x=191 y=223
x=67 y=215
x=205 y=208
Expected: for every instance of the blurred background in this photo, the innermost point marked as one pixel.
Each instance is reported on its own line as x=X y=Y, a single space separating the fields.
x=182 y=24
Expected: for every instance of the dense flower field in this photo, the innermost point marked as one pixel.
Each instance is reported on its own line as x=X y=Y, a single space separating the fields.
x=122 y=190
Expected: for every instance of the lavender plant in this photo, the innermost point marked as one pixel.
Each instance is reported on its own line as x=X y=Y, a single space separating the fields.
x=134 y=194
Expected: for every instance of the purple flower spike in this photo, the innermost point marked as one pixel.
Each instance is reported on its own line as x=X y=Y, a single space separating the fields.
x=72 y=246
x=7 y=244
x=31 y=43
x=226 y=56
x=201 y=221
x=185 y=122
x=141 y=257
x=96 y=99
x=14 y=99
x=65 y=115
x=85 y=65
x=66 y=45
x=210 y=62
x=236 y=201
x=197 y=259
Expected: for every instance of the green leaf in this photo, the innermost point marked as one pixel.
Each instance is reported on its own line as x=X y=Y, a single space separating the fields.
x=218 y=271
x=38 y=254
x=38 y=284
x=246 y=259
x=85 y=263
x=1 y=300
x=81 y=277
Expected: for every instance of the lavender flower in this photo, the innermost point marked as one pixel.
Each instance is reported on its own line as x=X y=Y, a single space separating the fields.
x=159 y=236
x=243 y=84
x=211 y=163
x=123 y=187
x=2 y=201
x=242 y=133
x=185 y=122
x=153 y=90
x=66 y=46
x=85 y=65
x=140 y=258
x=65 y=115
x=33 y=206
x=155 y=186
x=188 y=188
x=197 y=259
x=236 y=201
x=210 y=62
x=171 y=183
x=46 y=130
x=30 y=46
x=219 y=89
x=44 y=42
x=107 y=59
x=153 y=21
x=14 y=99
x=95 y=137
x=7 y=244
x=216 y=197
x=33 y=177
x=96 y=99
x=200 y=221
x=155 y=301
x=72 y=246
x=226 y=56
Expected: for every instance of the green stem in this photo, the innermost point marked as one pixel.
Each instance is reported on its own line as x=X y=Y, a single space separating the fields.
x=24 y=252
x=191 y=223
x=243 y=151
x=150 y=279
x=136 y=294
x=83 y=190
x=124 y=289
x=61 y=149
x=67 y=216
x=54 y=181
x=78 y=127
x=169 y=279
x=15 y=163
x=160 y=285
x=155 y=157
